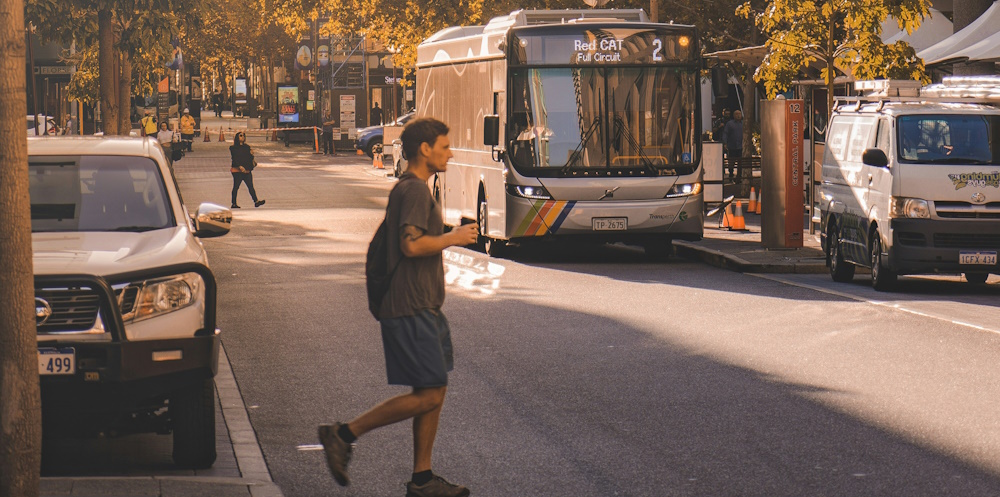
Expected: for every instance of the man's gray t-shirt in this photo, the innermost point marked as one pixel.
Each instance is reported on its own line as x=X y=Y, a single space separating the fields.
x=418 y=283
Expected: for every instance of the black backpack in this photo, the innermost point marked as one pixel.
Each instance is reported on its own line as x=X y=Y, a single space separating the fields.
x=377 y=274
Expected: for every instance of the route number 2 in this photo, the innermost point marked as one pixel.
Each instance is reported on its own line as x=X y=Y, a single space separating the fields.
x=657 y=48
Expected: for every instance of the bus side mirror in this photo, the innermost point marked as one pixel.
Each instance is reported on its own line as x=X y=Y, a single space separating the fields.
x=491 y=130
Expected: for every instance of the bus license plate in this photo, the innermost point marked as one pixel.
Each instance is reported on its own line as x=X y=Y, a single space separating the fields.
x=610 y=223
x=52 y=361
x=977 y=258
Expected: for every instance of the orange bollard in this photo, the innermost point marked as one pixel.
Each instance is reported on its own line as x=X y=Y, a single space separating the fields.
x=739 y=223
x=752 y=205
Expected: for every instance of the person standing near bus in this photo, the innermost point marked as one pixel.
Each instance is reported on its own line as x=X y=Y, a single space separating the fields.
x=415 y=334
x=732 y=139
x=327 y=137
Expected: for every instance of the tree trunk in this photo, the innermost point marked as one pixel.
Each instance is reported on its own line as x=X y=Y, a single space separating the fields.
x=20 y=403
x=125 y=94
x=106 y=67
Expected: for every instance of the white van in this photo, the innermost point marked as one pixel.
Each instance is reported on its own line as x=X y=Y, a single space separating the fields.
x=911 y=185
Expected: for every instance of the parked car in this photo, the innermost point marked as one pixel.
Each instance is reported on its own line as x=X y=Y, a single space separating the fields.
x=371 y=136
x=124 y=299
x=46 y=126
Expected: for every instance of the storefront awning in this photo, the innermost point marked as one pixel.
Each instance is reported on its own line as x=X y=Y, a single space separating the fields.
x=933 y=28
x=954 y=48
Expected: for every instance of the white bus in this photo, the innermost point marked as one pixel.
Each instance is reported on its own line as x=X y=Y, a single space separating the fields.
x=579 y=124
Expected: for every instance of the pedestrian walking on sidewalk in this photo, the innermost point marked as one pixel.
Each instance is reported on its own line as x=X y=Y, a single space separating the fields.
x=187 y=130
x=327 y=137
x=168 y=139
x=415 y=334
x=242 y=168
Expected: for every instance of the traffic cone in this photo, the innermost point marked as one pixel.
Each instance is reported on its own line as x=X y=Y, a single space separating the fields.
x=207 y=137
x=360 y=152
x=377 y=162
x=760 y=200
x=727 y=216
x=752 y=205
x=739 y=223
x=222 y=135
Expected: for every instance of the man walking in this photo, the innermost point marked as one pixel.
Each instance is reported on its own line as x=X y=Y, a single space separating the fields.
x=415 y=334
x=187 y=130
x=732 y=139
x=375 y=116
x=148 y=124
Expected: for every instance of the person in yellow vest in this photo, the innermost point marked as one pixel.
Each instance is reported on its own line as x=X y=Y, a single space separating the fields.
x=148 y=124
x=187 y=130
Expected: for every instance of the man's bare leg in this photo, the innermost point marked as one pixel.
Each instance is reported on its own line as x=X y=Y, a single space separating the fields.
x=400 y=408
x=424 y=432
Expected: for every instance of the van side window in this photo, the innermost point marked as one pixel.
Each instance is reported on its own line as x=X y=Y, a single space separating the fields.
x=836 y=140
x=861 y=137
x=884 y=131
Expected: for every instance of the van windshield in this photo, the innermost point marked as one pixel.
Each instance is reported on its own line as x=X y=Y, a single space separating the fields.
x=949 y=139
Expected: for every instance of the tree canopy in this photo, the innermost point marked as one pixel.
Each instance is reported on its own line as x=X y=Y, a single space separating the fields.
x=843 y=35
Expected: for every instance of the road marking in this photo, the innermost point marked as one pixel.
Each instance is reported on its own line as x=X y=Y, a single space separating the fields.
x=880 y=303
x=307 y=447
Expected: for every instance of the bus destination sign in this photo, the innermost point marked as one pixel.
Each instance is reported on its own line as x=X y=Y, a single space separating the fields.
x=604 y=47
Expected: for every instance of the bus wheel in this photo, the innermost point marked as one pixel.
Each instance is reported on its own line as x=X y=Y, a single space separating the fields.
x=659 y=251
x=976 y=278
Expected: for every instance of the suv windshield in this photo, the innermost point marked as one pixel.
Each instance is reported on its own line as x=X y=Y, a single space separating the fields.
x=597 y=118
x=949 y=139
x=96 y=193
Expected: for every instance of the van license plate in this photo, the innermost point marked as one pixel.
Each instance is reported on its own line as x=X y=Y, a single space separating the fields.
x=610 y=223
x=977 y=258
x=53 y=361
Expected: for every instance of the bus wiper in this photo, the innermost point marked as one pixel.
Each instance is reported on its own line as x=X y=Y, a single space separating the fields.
x=577 y=152
x=623 y=130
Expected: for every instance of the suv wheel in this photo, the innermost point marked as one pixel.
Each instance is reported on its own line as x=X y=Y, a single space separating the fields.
x=840 y=270
x=192 y=411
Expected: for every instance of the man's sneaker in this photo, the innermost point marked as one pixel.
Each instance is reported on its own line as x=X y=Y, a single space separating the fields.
x=437 y=487
x=338 y=452
x=259 y=203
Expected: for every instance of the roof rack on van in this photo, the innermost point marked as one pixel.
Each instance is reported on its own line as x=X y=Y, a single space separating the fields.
x=957 y=89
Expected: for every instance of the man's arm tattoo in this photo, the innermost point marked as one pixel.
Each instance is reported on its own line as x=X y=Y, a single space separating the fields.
x=412 y=233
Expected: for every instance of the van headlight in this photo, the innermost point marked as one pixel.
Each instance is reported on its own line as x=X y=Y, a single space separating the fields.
x=910 y=207
x=533 y=192
x=145 y=299
x=681 y=189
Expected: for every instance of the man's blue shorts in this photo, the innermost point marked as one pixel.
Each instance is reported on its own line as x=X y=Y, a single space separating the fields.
x=418 y=349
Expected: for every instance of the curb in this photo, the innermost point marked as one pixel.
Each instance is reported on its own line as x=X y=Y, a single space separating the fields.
x=731 y=262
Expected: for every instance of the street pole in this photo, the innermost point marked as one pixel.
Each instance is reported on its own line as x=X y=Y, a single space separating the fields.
x=654 y=10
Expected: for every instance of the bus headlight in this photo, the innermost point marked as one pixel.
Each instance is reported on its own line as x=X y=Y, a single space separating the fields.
x=909 y=207
x=533 y=192
x=682 y=189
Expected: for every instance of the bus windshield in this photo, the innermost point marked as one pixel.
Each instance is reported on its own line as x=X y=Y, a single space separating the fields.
x=596 y=118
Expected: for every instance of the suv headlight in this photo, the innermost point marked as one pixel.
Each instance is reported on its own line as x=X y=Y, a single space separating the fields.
x=534 y=192
x=150 y=298
x=910 y=207
x=682 y=189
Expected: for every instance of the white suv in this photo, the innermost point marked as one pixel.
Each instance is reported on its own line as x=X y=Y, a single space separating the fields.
x=124 y=299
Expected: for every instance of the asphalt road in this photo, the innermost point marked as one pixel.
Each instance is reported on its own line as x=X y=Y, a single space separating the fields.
x=589 y=371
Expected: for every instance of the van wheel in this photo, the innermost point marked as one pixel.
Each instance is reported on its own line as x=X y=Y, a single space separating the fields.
x=192 y=410
x=840 y=270
x=976 y=278
x=883 y=278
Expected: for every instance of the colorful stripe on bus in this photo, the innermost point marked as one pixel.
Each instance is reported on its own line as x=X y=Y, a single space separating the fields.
x=545 y=216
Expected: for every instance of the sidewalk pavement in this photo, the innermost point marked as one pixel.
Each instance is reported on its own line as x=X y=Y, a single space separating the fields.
x=742 y=250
